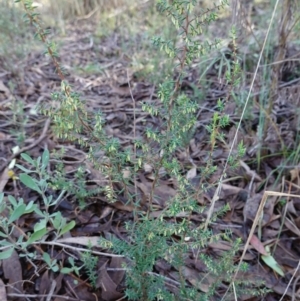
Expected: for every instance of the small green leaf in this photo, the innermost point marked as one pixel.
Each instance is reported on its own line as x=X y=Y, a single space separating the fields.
x=66 y=270
x=71 y=261
x=47 y=258
x=5 y=243
x=3 y=234
x=38 y=161
x=19 y=211
x=55 y=268
x=12 y=200
x=57 y=220
x=38 y=212
x=27 y=158
x=36 y=236
x=30 y=207
x=23 y=168
x=1 y=197
x=67 y=227
x=6 y=254
x=272 y=263
x=45 y=158
x=29 y=182
x=40 y=225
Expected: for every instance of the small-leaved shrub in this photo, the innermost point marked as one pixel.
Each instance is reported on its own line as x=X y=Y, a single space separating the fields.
x=171 y=236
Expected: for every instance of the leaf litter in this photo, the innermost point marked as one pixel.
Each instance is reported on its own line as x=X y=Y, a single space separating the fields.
x=109 y=92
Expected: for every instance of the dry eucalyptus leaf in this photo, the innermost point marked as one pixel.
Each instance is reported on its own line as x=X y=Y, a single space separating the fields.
x=251 y=207
x=108 y=286
x=83 y=240
x=13 y=272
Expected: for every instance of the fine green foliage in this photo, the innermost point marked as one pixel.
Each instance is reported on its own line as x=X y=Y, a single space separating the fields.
x=49 y=222
x=171 y=236
x=90 y=265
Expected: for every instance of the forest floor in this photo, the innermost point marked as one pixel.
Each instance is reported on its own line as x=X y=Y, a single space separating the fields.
x=111 y=79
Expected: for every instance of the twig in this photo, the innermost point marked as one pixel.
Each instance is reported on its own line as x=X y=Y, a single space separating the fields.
x=42 y=296
x=53 y=243
x=294 y=286
x=134 y=135
x=50 y=294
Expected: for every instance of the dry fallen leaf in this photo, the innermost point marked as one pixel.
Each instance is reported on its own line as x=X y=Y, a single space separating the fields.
x=13 y=272
x=251 y=207
x=191 y=173
x=257 y=245
x=4 y=89
x=92 y=241
x=4 y=179
x=108 y=286
x=2 y=291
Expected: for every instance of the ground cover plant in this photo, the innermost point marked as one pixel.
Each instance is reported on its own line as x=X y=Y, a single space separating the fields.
x=145 y=182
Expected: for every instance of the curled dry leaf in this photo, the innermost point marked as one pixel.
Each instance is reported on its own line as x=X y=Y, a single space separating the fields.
x=295 y=175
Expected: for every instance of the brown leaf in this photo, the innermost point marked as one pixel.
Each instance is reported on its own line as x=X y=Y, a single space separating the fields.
x=251 y=207
x=295 y=175
x=118 y=275
x=81 y=290
x=291 y=226
x=13 y=272
x=291 y=208
x=199 y=280
x=109 y=287
x=4 y=89
x=4 y=179
x=257 y=245
x=2 y=291
x=45 y=284
x=250 y=173
x=221 y=245
x=191 y=173
x=105 y=212
x=83 y=240
x=3 y=136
